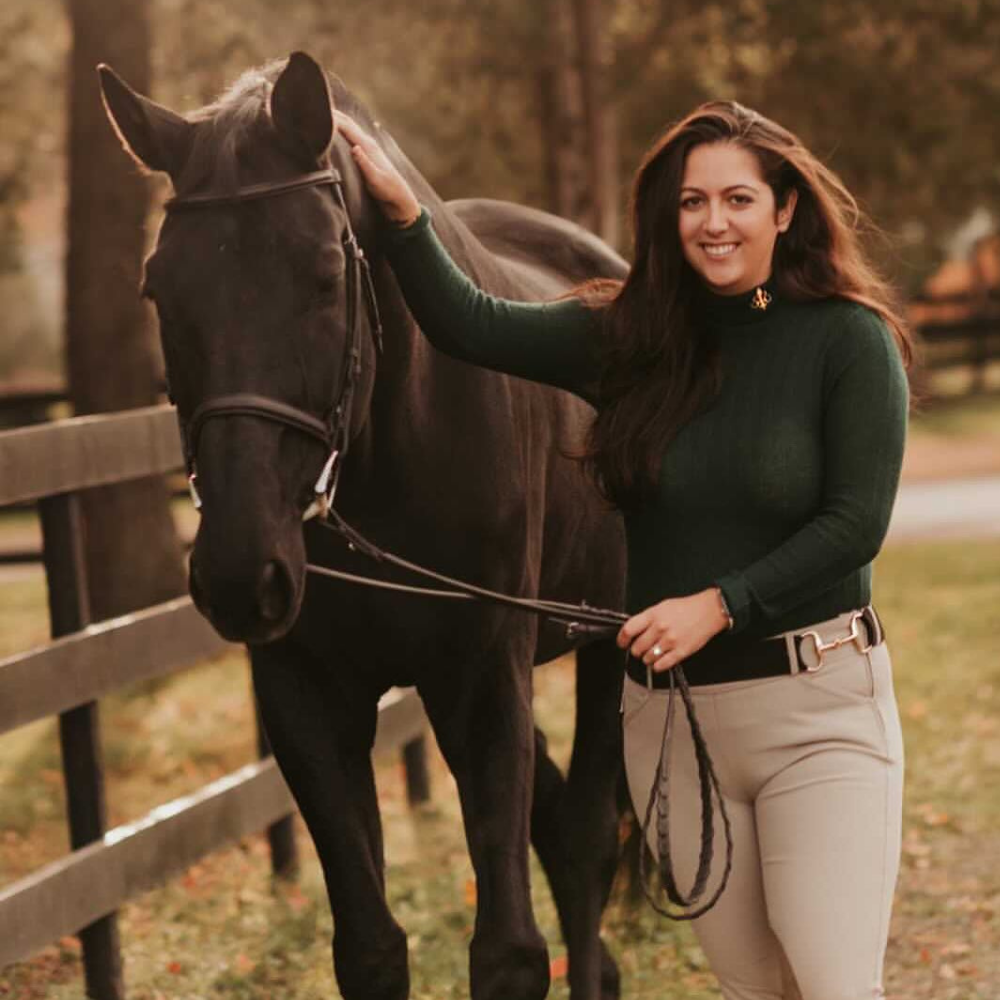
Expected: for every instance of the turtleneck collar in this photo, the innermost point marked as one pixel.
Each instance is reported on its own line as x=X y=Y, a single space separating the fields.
x=737 y=310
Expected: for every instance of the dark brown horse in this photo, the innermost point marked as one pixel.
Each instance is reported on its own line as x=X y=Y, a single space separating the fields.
x=449 y=465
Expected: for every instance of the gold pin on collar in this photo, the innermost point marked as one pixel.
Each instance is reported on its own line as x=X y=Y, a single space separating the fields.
x=761 y=299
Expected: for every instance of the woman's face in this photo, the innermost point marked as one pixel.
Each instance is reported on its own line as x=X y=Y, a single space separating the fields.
x=728 y=220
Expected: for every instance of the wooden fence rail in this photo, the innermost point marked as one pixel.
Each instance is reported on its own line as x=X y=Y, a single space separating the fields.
x=50 y=465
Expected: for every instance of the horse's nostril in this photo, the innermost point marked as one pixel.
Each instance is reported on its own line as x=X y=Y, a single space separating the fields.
x=275 y=593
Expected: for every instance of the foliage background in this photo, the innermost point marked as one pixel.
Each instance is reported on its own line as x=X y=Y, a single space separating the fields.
x=899 y=96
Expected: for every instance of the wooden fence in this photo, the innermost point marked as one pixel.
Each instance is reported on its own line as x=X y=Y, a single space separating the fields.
x=50 y=465
x=959 y=331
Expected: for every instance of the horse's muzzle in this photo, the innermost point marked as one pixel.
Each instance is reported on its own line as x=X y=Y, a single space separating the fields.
x=257 y=611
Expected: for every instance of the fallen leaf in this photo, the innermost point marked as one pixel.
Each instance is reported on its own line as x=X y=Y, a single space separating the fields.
x=470 y=892
x=558 y=967
x=956 y=948
x=174 y=968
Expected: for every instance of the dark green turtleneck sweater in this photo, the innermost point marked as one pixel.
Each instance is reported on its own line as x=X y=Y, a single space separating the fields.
x=779 y=493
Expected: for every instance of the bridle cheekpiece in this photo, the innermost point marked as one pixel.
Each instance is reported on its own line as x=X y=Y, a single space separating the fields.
x=334 y=431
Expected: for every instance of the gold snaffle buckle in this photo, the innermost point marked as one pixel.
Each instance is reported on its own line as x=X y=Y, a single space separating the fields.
x=862 y=642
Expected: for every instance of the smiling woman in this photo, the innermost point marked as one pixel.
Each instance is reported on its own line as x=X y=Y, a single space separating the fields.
x=748 y=377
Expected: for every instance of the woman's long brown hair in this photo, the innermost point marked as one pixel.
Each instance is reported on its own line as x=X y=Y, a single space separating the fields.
x=658 y=370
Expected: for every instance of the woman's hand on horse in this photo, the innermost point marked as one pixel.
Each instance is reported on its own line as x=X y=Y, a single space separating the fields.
x=669 y=632
x=384 y=182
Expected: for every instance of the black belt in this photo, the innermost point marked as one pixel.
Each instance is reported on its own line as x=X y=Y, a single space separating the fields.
x=765 y=657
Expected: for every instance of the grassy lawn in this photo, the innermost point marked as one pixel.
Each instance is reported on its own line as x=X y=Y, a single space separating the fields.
x=225 y=929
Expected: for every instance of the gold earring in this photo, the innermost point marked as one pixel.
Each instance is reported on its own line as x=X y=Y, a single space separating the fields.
x=761 y=299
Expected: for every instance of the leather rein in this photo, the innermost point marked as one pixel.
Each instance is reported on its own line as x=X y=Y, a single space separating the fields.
x=333 y=431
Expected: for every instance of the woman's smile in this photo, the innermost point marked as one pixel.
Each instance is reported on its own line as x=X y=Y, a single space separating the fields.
x=719 y=250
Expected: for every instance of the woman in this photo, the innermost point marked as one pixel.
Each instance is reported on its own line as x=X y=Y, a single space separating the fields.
x=751 y=400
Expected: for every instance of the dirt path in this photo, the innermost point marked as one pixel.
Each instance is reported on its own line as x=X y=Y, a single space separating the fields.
x=951 y=508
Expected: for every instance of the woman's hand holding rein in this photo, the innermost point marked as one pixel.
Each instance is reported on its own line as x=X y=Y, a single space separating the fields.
x=384 y=182
x=667 y=633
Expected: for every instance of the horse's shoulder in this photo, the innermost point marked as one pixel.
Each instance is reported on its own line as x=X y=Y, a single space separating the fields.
x=529 y=236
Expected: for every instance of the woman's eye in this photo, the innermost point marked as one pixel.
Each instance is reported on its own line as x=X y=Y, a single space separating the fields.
x=691 y=202
x=741 y=199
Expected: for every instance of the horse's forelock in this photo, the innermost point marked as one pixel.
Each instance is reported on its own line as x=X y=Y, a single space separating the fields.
x=239 y=119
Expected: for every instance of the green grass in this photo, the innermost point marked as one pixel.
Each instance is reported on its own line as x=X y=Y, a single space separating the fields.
x=227 y=930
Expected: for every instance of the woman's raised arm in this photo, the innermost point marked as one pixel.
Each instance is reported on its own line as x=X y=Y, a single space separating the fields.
x=549 y=342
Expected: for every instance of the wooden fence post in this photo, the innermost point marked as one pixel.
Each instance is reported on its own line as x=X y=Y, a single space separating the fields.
x=418 y=779
x=79 y=734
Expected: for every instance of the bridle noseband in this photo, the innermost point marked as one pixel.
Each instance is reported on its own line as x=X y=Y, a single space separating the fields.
x=334 y=431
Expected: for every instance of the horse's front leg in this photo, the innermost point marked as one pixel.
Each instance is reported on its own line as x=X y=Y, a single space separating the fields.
x=320 y=722
x=574 y=822
x=484 y=726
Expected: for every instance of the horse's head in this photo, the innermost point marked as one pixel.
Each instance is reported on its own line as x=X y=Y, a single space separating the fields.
x=263 y=322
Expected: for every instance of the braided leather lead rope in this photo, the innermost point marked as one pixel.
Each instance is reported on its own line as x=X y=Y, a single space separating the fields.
x=581 y=619
x=659 y=799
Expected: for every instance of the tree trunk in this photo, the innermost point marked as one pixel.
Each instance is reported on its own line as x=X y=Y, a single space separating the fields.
x=562 y=116
x=132 y=551
x=602 y=146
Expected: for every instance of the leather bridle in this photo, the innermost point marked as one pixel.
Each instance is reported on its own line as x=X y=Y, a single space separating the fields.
x=579 y=620
x=334 y=430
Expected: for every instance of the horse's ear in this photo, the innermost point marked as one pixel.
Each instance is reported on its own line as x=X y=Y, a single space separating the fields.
x=302 y=106
x=155 y=136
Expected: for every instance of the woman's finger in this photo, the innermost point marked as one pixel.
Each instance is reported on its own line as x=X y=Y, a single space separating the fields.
x=636 y=624
x=371 y=170
x=352 y=130
x=668 y=661
x=654 y=650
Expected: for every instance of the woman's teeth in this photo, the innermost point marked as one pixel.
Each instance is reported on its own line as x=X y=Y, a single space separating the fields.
x=718 y=249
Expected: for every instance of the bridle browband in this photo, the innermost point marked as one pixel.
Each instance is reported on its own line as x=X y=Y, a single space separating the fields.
x=334 y=431
x=579 y=619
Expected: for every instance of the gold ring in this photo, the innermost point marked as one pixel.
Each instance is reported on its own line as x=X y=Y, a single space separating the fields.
x=657 y=652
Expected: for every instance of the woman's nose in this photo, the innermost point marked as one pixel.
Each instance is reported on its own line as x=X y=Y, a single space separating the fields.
x=716 y=221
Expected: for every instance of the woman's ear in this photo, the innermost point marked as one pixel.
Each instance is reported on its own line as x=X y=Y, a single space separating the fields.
x=785 y=213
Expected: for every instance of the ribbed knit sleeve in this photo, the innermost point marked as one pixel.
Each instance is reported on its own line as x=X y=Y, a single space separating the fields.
x=550 y=342
x=864 y=427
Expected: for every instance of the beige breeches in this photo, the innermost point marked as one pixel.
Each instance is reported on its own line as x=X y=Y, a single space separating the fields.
x=811 y=767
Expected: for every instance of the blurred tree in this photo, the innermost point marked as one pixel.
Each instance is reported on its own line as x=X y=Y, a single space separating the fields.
x=133 y=556
x=601 y=123
x=33 y=44
x=560 y=107
x=898 y=95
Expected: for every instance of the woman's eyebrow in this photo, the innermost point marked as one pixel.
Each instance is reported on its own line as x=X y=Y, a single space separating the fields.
x=732 y=187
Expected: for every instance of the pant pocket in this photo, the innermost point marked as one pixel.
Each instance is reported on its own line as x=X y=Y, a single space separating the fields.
x=847 y=678
x=884 y=702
